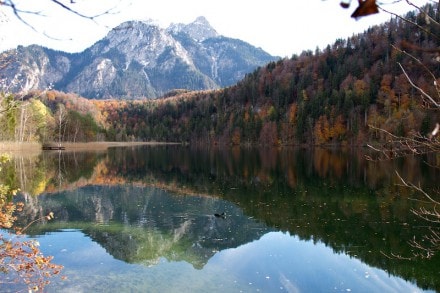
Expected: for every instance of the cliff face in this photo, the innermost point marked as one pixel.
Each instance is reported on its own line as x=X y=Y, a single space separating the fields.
x=136 y=60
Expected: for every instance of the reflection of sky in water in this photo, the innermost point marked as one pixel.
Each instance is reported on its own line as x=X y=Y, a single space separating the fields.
x=280 y=262
x=277 y=262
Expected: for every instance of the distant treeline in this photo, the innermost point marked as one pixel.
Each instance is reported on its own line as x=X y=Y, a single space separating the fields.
x=330 y=96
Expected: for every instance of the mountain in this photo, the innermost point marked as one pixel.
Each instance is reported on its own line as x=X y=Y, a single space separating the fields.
x=327 y=97
x=183 y=229
x=138 y=59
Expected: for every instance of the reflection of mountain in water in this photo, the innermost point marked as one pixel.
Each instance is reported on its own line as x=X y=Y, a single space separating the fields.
x=141 y=224
x=335 y=197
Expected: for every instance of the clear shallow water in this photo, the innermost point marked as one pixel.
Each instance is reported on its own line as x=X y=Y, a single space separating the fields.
x=143 y=220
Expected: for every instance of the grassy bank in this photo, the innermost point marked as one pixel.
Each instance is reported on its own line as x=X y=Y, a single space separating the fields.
x=19 y=146
x=7 y=146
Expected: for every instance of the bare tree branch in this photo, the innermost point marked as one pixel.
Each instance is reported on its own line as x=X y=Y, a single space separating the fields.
x=412 y=22
x=407 y=45
x=19 y=12
x=399 y=146
x=417 y=188
x=429 y=245
x=418 y=88
x=91 y=17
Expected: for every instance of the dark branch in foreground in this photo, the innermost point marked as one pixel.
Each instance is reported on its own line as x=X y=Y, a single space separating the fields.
x=399 y=146
x=19 y=12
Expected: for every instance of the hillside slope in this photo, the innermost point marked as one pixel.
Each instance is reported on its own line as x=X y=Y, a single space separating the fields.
x=332 y=96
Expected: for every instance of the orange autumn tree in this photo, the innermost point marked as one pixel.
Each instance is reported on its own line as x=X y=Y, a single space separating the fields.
x=322 y=130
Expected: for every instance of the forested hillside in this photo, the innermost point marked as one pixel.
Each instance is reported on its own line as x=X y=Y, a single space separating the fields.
x=327 y=96
x=330 y=96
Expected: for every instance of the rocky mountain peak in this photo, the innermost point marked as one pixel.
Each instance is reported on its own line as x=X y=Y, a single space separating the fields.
x=200 y=29
x=141 y=41
x=140 y=59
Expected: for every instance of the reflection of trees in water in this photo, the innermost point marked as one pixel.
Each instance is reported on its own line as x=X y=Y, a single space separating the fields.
x=51 y=171
x=332 y=196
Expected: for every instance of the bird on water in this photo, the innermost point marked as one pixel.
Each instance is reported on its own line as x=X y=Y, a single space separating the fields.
x=222 y=215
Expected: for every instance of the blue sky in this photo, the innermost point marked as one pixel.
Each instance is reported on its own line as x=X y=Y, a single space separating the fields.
x=280 y=27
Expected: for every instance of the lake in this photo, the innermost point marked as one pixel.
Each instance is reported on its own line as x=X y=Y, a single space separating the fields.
x=181 y=219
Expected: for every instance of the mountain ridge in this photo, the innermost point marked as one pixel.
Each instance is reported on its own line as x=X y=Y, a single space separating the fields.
x=138 y=59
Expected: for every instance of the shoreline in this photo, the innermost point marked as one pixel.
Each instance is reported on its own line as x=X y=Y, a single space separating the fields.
x=108 y=144
x=7 y=146
x=36 y=148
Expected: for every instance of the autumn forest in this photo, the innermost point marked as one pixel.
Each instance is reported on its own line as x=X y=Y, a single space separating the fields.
x=338 y=95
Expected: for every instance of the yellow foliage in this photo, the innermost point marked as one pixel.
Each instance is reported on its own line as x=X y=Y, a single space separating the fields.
x=40 y=187
x=291 y=114
x=23 y=258
x=360 y=87
x=322 y=130
x=246 y=116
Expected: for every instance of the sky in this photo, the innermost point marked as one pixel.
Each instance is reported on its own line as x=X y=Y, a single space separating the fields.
x=280 y=27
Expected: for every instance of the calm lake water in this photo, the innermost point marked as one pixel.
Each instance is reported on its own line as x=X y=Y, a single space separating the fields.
x=144 y=220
